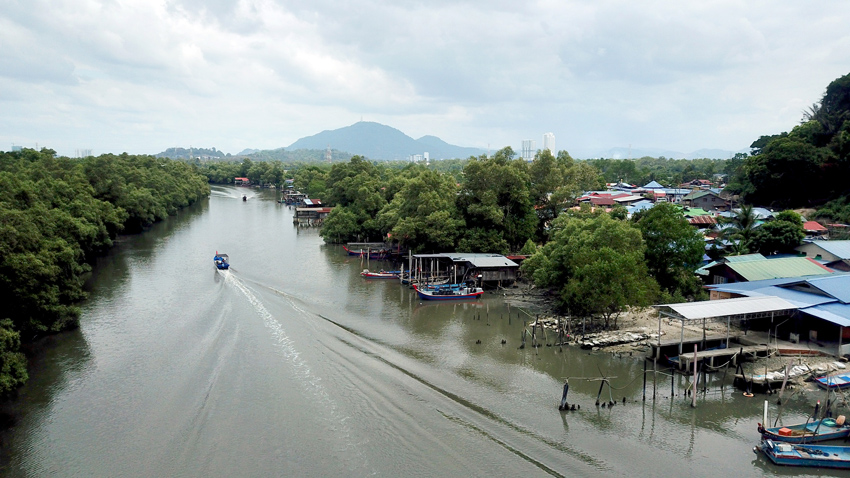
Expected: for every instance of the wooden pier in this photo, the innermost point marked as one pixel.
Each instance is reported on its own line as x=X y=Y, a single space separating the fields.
x=735 y=354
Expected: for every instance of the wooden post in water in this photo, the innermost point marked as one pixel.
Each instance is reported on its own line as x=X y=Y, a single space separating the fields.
x=694 y=401
x=644 y=380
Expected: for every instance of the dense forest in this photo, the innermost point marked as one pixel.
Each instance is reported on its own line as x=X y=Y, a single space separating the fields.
x=808 y=166
x=56 y=215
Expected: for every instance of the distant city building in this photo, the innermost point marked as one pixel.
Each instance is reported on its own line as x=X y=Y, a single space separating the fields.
x=17 y=148
x=529 y=148
x=549 y=142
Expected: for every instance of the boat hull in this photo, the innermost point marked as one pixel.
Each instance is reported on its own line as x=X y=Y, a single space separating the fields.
x=380 y=275
x=449 y=293
x=812 y=432
x=834 y=382
x=819 y=456
x=221 y=261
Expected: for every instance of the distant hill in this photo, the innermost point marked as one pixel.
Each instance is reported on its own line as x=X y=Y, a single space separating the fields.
x=191 y=153
x=377 y=141
x=635 y=153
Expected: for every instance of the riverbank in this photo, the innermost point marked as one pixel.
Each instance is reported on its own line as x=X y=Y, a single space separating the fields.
x=638 y=328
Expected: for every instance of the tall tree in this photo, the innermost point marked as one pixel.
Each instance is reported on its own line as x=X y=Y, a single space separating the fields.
x=495 y=200
x=674 y=248
x=596 y=264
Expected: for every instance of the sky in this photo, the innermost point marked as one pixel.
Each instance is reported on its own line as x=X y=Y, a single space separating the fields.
x=140 y=76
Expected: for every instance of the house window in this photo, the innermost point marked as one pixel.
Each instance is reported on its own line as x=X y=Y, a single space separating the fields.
x=719 y=280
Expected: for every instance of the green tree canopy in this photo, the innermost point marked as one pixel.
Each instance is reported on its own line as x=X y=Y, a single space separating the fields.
x=674 y=248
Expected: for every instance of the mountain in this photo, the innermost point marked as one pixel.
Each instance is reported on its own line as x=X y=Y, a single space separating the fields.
x=635 y=153
x=377 y=141
x=191 y=153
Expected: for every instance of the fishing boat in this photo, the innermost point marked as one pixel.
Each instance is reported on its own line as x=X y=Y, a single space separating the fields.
x=221 y=261
x=372 y=253
x=820 y=456
x=832 y=382
x=809 y=432
x=448 y=292
x=380 y=275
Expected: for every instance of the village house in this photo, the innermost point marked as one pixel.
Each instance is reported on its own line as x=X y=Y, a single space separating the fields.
x=705 y=199
x=820 y=312
x=826 y=251
x=754 y=267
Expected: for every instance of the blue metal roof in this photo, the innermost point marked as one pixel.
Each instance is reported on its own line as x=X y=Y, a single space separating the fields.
x=838 y=314
x=834 y=310
x=837 y=286
x=837 y=248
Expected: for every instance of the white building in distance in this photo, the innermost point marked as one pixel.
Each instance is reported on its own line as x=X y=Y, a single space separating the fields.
x=529 y=148
x=549 y=142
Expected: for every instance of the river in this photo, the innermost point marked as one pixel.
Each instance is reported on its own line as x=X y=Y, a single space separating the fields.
x=290 y=364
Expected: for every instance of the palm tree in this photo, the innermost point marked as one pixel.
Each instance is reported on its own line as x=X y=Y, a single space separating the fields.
x=742 y=226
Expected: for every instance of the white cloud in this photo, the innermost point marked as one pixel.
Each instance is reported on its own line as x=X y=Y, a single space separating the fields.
x=141 y=75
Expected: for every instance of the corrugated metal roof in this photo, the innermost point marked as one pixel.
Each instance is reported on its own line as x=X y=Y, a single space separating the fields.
x=727 y=307
x=837 y=285
x=838 y=314
x=837 y=248
x=745 y=258
x=702 y=220
x=485 y=260
x=813 y=226
x=778 y=268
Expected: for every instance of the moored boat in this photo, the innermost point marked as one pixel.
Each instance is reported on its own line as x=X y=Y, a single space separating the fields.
x=221 y=261
x=380 y=275
x=833 y=382
x=448 y=292
x=810 y=432
x=820 y=456
x=372 y=253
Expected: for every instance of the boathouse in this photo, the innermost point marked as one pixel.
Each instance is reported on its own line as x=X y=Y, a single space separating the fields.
x=821 y=308
x=311 y=216
x=490 y=270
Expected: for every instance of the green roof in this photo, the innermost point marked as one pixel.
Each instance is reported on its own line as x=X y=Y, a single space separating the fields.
x=778 y=268
x=746 y=258
x=695 y=211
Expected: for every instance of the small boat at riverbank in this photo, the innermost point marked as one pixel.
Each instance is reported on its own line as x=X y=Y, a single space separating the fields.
x=221 y=261
x=810 y=432
x=367 y=274
x=371 y=253
x=448 y=292
x=832 y=382
x=820 y=456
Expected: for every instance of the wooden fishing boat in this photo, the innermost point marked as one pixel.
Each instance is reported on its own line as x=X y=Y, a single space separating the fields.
x=833 y=382
x=820 y=456
x=367 y=274
x=373 y=253
x=221 y=261
x=448 y=292
x=810 y=432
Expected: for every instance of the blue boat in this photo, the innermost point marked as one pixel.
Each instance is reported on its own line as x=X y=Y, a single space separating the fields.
x=221 y=261
x=448 y=292
x=818 y=456
x=809 y=432
x=833 y=382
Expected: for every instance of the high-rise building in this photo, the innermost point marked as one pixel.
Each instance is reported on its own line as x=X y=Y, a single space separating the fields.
x=529 y=148
x=549 y=142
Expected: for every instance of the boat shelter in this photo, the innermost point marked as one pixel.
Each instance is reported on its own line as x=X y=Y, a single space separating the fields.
x=728 y=310
x=493 y=270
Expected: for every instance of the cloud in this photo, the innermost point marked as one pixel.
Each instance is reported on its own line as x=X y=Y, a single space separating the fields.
x=141 y=75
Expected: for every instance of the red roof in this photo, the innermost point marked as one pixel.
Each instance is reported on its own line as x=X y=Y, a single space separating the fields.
x=813 y=226
x=602 y=201
x=702 y=220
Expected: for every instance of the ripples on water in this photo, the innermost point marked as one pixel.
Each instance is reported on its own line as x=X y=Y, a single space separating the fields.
x=290 y=364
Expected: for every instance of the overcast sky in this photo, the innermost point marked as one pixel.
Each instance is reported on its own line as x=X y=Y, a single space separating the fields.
x=144 y=75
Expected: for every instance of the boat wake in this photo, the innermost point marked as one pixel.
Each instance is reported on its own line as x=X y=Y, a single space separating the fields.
x=311 y=382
